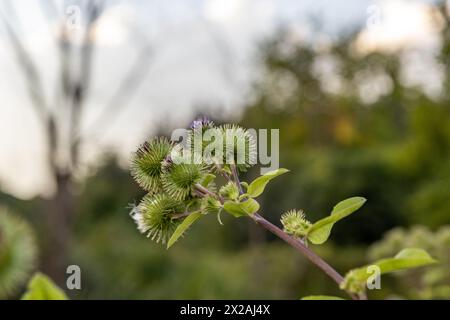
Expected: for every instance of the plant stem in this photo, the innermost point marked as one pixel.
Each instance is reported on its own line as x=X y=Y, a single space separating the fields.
x=297 y=244
x=205 y=191
x=236 y=178
x=223 y=173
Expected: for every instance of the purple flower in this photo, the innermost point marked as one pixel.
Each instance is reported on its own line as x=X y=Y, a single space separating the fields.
x=201 y=122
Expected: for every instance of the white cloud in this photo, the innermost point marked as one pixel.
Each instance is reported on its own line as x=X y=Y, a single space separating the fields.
x=204 y=54
x=397 y=24
x=113 y=26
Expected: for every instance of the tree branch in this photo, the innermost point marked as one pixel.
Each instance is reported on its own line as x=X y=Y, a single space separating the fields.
x=80 y=87
x=36 y=93
x=30 y=71
x=127 y=87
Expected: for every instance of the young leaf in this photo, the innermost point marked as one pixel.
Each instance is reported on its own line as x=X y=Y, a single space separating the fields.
x=207 y=179
x=239 y=209
x=244 y=184
x=229 y=191
x=259 y=184
x=295 y=223
x=405 y=259
x=322 y=298
x=187 y=222
x=243 y=196
x=210 y=205
x=320 y=230
x=42 y=287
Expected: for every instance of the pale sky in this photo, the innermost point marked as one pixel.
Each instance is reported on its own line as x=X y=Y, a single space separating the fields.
x=204 y=54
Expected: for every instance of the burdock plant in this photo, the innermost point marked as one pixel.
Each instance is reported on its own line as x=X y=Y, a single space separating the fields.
x=18 y=252
x=182 y=192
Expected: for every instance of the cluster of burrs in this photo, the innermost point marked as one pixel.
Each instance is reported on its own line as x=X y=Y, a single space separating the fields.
x=180 y=177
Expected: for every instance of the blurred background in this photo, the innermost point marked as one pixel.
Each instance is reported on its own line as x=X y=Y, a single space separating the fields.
x=358 y=88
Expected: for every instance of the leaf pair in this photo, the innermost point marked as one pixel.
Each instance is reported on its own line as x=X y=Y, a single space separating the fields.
x=240 y=209
x=237 y=209
x=295 y=223
x=250 y=206
x=320 y=231
x=356 y=279
x=234 y=206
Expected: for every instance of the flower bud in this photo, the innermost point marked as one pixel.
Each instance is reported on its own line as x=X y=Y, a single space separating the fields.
x=154 y=214
x=294 y=223
x=229 y=191
x=18 y=252
x=179 y=179
x=146 y=165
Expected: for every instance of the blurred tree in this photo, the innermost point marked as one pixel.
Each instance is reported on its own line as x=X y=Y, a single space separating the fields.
x=61 y=119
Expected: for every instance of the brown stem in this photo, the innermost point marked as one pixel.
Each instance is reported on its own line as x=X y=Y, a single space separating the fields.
x=299 y=246
x=205 y=191
x=180 y=215
x=223 y=173
x=236 y=178
x=296 y=243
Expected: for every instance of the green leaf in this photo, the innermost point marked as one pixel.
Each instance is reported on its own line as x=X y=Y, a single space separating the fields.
x=322 y=298
x=258 y=185
x=229 y=191
x=320 y=230
x=239 y=209
x=226 y=169
x=187 y=222
x=405 y=259
x=207 y=179
x=42 y=287
x=244 y=184
x=243 y=196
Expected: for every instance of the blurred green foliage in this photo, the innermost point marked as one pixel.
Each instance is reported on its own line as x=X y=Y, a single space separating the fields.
x=118 y=262
x=427 y=283
x=18 y=252
x=393 y=150
x=41 y=287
